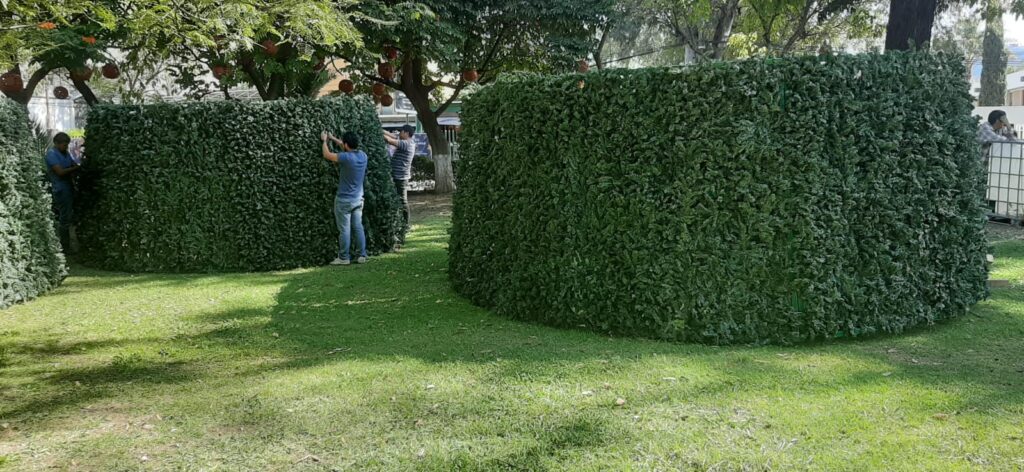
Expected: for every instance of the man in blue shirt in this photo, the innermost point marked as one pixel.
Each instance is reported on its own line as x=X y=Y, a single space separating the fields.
x=401 y=170
x=60 y=167
x=348 y=204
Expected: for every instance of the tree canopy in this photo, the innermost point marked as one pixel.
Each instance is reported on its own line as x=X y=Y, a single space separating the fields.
x=434 y=50
x=197 y=34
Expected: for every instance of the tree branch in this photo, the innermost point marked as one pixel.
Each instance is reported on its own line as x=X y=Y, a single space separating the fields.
x=389 y=83
x=599 y=52
x=258 y=80
x=801 y=29
x=84 y=89
x=486 y=64
x=36 y=78
x=447 y=103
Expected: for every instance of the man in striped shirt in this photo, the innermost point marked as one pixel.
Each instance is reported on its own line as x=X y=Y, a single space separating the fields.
x=401 y=170
x=996 y=129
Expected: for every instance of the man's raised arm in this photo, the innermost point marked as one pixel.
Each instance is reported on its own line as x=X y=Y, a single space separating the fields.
x=390 y=139
x=330 y=156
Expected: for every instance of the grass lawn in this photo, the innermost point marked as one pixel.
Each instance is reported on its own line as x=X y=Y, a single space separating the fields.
x=382 y=367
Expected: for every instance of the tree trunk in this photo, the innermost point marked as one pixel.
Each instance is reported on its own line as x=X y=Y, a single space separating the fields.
x=599 y=52
x=690 y=56
x=25 y=95
x=708 y=40
x=444 y=174
x=993 y=59
x=444 y=177
x=910 y=24
x=86 y=91
x=723 y=28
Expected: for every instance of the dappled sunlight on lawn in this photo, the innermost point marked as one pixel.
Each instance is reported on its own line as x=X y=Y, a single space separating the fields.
x=381 y=366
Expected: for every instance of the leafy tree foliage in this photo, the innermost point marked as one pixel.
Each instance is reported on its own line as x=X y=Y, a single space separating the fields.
x=961 y=36
x=437 y=40
x=275 y=46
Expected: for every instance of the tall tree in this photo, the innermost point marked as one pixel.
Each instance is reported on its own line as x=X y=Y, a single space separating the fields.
x=758 y=27
x=993 y=60
x=50 y=37
x=436 y=49
x=276 y=46
x=782 y=27
x=910 y=24
x=911 y=21
x=961 y=35
x=629 y=38
x=618 y=30
x=703 y=27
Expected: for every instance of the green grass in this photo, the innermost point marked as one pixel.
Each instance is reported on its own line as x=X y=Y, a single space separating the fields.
x=382 y=367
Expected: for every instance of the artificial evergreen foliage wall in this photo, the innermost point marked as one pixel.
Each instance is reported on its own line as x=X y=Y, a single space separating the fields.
x=31 y=262
x=764 y=201
x=225 y=186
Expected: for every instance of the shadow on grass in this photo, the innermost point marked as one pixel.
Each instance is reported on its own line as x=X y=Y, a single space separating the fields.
x=401 y=307
x=89 y=279
x=77 y=386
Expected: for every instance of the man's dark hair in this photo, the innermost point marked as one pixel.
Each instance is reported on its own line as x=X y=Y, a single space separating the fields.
x=61 y=138
x=351 y=139
x=995 y=116
x=409 y=129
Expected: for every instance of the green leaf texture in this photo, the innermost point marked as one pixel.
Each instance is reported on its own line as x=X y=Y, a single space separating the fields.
x=769 y=201
x=30 y=259
x=225 y=186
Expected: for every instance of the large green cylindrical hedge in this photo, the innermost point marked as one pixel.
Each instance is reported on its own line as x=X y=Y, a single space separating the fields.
x=772 y=201
x=225 y=186
x=30 y=259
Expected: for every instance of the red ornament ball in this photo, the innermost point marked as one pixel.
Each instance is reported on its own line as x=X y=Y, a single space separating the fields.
x=11 y=82
x=111 y=71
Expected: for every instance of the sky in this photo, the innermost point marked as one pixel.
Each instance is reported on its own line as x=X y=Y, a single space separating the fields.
x=1013 y=30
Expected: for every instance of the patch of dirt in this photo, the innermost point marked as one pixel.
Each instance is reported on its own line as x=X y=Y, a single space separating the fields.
x=999 y=232
x=426 y=205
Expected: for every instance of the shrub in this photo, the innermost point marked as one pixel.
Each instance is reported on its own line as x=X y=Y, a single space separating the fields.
x=225 y=186
x=30 y=259
x=422 y=169
x=773 y=201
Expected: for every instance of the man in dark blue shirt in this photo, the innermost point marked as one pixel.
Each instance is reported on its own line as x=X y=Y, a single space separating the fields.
x=348 y=204
x=60 y=167
x=401 y=170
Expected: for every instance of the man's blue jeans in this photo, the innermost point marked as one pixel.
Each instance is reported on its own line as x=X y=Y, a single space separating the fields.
x=62 y=205
x=349 y=216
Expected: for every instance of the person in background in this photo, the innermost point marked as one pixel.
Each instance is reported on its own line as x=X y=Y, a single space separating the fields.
x=348 y=204
x=1010 y=131
x=60 y=168
x=401 y=170
x=995 y=129
x=77 y=149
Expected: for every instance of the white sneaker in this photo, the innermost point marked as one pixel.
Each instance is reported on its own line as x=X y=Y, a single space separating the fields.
x=340 y=261
x=361 y=260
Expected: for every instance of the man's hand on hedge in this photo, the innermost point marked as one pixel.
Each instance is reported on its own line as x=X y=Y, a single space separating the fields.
x=324 y=135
